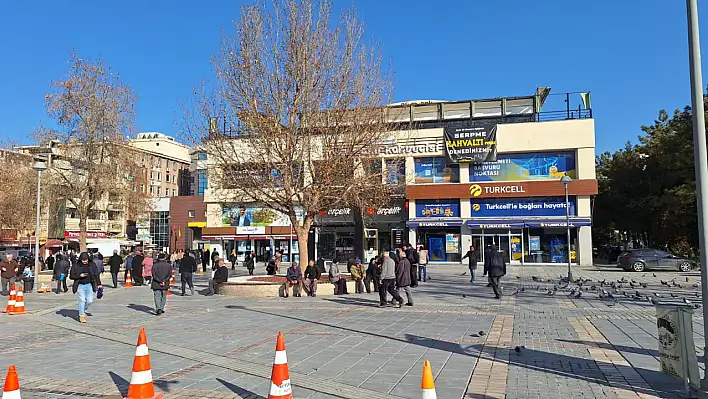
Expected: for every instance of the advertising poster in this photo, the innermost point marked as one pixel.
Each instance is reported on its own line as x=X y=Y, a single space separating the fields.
x=395 y=171
x=515 y=248
x=435 y=170
x=437 y=251
x=437 y=208
x=534 y=243
x=558 y=251
x=452 y=243
x=475 y=144
x=240 y=215
x=676 y=347
x=525 y=167
x=532 y=206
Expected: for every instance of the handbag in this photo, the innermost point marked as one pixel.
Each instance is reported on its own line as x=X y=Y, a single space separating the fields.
x=62 y=277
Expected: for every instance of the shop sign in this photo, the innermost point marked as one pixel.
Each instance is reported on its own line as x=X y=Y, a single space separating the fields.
x=477 y=190
x=495 y=225
x=476 y=144
x=250 y=230
x=390 y=211
x=242 y=215
x=437 y=208
x=533 y=206
x=533 y=166
x=451 y=223
x=574 y=222
x=427 y=148
x=89 y=234
x=337 y=212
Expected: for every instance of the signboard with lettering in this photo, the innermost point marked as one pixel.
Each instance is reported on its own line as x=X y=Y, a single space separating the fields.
x=545 y=188
x=89 y=234
x=437 y=208
x=532 y=206
x=476 y=144
x=529 y=166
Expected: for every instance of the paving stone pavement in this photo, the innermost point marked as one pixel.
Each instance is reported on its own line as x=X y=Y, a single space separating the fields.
x=223 y=347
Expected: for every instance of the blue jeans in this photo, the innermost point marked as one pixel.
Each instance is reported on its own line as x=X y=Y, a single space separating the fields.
x=422 y=273
x=85 y=295
x=473 y=274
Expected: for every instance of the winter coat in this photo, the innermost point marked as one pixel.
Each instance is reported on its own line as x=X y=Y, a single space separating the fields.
x=423 y=258
x=147 y=267
x=138 y=264
x=403 y=273
x=294 y=274
x=412 y=256
x=161 y=272
x=129 y=262
x=115 y=261
x=188 y=265
x=334 y=273
x=473 y=257
x=388 y=269
x=358 y=271
x=11 y=268
x=374 y=271
x=61 y=267
x=221 y=275
x=494 y=263
x=313 y=272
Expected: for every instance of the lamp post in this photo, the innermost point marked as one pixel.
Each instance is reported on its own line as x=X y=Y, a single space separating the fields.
x=39 y=166
x=566 y=180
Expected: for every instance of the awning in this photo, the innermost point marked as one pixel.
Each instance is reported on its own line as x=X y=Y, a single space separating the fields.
x=556 y=222
x=437 y=222
x=54 y=244
x=495 y=224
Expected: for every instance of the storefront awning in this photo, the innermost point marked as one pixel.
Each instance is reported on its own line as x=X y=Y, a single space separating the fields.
x=495 y=224
x=521 y=223
x=556 y=222
x=437 y=222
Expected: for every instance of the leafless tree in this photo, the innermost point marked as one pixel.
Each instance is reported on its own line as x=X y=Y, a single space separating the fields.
x=19 y=190
x=296 y=113
x=93 y=165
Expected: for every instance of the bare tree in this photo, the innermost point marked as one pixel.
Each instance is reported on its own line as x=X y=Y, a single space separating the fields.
x=296 y=113
x=93 y=165
x=19 y=182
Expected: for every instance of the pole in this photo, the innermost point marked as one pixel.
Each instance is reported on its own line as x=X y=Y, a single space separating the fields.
x=699 y=152
x=567 y=228
x=36 y=233
x=290 y=250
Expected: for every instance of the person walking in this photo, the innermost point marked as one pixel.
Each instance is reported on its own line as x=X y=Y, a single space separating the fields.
x=423 y=264
x=114 y=263
x=358 y=274
x=411 y=254
x=138 y=268
x=128 y=267
x=84 y=275
x=250 y=262
x=388 y=281
x=233 y=259
x=50 y=261
x=472 y=257
x=403 y=277
x=495 y=266
x=8 y=272
x=160 y=282
x=187 y=267
x=61 y=272
x=205 y=260
x=147 y=268
x=312 y=275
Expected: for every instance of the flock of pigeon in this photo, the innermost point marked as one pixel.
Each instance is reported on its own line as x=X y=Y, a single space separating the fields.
x=609 y=291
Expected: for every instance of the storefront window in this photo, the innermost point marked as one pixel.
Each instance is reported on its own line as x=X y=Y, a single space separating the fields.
x=442 y=208
x=395 y=171
x=443 y=244
x=434 y=170
x=550 y=245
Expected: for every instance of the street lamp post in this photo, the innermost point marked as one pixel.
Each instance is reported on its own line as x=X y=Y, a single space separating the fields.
x=566 y=180
x=39 y=167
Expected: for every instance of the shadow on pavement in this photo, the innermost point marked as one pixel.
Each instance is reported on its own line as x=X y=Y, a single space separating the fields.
x=141 y=308
x=371 y=303
x=70 y=313
x=121 y=383
x=241 y=392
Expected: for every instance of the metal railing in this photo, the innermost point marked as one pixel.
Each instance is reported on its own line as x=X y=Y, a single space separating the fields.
x=565 y=106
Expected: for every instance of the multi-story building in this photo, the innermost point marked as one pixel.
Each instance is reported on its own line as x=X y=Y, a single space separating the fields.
x=515 y=201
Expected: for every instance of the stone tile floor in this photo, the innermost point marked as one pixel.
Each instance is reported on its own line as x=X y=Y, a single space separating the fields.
x=223 y=347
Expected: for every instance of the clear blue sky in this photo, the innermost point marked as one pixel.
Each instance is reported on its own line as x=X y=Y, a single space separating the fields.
x=633 y=59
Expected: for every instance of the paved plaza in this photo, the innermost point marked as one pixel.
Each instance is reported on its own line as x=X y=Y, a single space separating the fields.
x=223 y=347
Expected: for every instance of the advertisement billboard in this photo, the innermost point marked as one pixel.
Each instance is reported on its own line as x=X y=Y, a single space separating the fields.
x=434 y=170
x=437 y=208
x=241 y=215
x=474 y=144
x=532 y=206
x=526 y=167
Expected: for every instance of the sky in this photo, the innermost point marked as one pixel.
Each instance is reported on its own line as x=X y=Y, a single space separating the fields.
x=634 y=60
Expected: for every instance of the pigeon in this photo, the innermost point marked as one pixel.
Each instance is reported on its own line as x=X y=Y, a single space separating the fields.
x=625 y=294
x=695 y=285
x=653 y=274
x=523 y=289
x=644 y=275
x=592 y=287
x=663 y=282
x=686 y=279
x=481 y=333
x=578 y=295
x=534 y=278
x=674 y=295
x=631 y=285
x=678 y=286
x=464 y=296
x=518 y=277
x=654 y=302
x=697 y=294
x=538 y=287
x=687 y=302
x=463 y=274
x=644 y=285
x=656 y=294
x=518 y=349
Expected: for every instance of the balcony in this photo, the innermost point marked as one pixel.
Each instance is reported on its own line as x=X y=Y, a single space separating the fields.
x=73 y=224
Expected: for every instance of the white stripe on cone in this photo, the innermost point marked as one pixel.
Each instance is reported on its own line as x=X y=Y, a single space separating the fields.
x=282 y=390
x=141 y=377
x=12 y=394
x=20 y=304
x=280 y=357
x=141 y=350
x=429 y=394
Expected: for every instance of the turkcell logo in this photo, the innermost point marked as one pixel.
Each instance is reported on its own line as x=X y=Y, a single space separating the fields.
x=541 y=206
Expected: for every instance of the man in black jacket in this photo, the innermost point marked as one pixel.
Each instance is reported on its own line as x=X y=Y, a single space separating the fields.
x=412 y=254
x=138 y=268
x=220 y=276
x=471 y=255
x=61 y=272
x=187 y=267
x=114 y=263
x=312 y=274
x=84 y=276
x=161 y=275
x=495 y=266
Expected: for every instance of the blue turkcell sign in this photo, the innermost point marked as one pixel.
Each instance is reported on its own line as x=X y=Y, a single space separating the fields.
x=533 y=206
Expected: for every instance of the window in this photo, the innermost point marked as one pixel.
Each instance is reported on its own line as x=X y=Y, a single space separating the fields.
x=202 y=182
x=434 y=170
x=202 y=156
x=395 y=171
x=160 y=229
x=167 y=192
x=152 y=189
x=159 y=176
x=114 y=215
x=191 y=213
x=142 y=188
x=174 y=179
x=174 y=192
x=168 y=165
x=152 y=175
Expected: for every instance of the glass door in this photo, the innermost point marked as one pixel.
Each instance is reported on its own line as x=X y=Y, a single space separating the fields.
x=516 y=249
x=504 y=246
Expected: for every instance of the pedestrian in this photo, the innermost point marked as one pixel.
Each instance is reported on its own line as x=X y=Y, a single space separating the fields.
x=403 y=277
x=472 y=257
x=205 y=259
x=270 y=267
x=61 y=273
x=114 y=263
x=128 y=267
x=335 y=277
x=214 y=257
x=8 y=272
x=160 y=282
x=278 y=261
x=312 y=275
x=233 y=259
x=221 y=275
x=187 y=267
x=388 y=281
x=250 y=262
x=50 y=261
x=495 y=266
x=28 y=278
x=138 y=268
x=423 y=264
x=148 y=262
x=358 y=274
x=293 y=278
x=373 y=275
x=84 y=275
x=411 y=254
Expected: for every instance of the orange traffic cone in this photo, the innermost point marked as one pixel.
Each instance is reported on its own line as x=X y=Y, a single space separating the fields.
x=12 y=385
x=428 y=385
x=280 y=378
x=11 y=301
x=19 y=302
x=128 y=280
x=141 y=385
